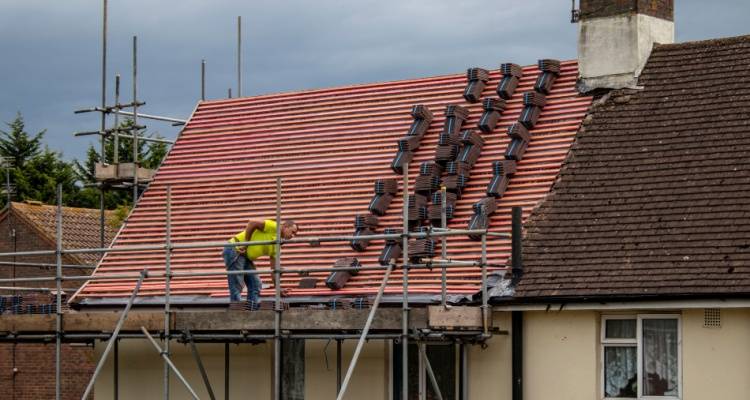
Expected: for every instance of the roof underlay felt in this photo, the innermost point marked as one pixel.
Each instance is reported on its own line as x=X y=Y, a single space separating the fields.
x=328 y=146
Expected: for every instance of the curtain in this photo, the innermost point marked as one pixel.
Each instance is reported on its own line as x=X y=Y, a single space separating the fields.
x=660 y=358
x=620 y=369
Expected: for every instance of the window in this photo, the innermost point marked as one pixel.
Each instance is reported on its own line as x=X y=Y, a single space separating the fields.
x=444 y=359
x=641 y=356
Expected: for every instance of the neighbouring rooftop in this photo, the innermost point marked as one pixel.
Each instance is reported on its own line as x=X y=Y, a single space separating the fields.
x=654 y=199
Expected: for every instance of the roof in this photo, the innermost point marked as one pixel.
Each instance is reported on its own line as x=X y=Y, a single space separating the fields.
x=328 y=146
x=654 y=198
x=80 y=226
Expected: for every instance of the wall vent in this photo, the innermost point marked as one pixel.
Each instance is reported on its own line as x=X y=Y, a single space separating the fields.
x=712 y=318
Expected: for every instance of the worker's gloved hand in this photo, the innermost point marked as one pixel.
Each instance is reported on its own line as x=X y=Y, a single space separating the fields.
x=242 y=250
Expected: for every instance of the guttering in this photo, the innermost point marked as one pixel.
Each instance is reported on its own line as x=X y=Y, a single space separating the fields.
x=628 y=305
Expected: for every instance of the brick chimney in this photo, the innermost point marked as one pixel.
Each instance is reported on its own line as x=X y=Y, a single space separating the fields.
x=615 y=38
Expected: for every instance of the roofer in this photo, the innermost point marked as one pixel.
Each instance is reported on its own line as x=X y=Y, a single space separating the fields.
x=241 y=258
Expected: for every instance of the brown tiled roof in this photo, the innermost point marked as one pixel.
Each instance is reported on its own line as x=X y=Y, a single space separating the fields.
x=80 y=226
x=654 y=197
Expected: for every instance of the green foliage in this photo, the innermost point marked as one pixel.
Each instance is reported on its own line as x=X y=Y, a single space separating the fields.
x=17 y=146
x=150 y=156
x=35 y=171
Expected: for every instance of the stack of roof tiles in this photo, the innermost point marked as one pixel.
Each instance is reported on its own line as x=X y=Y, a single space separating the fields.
x=533 y=102
x=223 y=167
x=410 y=143
x=477 y=79
x=512 y=74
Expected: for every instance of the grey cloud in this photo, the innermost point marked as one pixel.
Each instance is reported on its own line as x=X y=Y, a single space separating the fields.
x=51 y=49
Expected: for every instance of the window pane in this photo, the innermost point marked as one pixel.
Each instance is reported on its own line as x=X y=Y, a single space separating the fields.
x=620 y=369
x=443 y=361
x=620 y=329
x=660 y=357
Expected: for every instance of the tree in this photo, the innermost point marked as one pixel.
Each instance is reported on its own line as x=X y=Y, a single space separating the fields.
x=35 y=172
x=150 y=156
x=17 y=145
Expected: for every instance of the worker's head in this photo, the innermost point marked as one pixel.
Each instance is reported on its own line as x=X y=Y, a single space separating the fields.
x=288 y=229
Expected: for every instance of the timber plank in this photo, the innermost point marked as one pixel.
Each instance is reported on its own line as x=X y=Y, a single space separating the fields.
x=297 y=319
x=106 y=321
x=459 y=317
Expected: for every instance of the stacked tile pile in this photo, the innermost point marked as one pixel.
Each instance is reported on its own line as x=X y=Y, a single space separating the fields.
x=364 y=225
x=519 y=141
x=428 y=180
x=417 y=209
x=410 y=143
x=256 y=305
x=478 y=78
x=393 y=247
x=385 y=191
x=31 y=304
x=435 y=210
x=348 y=267
x=501 y=173
x=359 y=303
x=457 y=176
x=533 y=103
x=482 y=211
x=421 y=248
x=512 y=74
x=492 y=109
x=550 y=71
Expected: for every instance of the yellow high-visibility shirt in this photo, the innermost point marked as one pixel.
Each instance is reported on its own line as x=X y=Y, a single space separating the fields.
x=255 y=251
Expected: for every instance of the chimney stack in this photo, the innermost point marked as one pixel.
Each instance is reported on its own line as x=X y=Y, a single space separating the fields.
x=615 y=38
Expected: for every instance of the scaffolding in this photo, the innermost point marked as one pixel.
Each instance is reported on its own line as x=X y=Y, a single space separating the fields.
x=277 y=271
x=134 y=178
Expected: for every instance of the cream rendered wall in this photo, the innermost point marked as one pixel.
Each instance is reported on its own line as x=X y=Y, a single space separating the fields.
x=141 y=371
x=370 y=378
x=560 y=355
x=716 y=361
x=490 y=368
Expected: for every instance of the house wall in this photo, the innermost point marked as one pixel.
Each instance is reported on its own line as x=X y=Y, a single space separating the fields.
x=370 y=378
x=561 y=361
x=716 y=361
x=141 y=371
x=27 y=239
x=489 y=368
x=560 y=355
x=34 y=376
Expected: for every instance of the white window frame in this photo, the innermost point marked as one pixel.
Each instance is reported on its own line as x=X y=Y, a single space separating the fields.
x=638 y=341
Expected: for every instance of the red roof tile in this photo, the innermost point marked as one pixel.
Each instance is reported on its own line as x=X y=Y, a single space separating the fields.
x=328 y=146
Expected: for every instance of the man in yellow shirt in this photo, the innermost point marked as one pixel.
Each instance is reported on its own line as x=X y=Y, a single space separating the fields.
x=241 y=258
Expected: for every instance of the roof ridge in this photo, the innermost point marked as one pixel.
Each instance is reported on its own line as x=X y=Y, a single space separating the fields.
x=703 y=42
x=359 y=85
x=15 y=204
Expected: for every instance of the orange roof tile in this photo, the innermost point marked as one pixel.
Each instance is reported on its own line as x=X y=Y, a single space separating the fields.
x=80 y=226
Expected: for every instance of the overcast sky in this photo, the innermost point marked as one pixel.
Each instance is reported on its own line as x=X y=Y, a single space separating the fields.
x=50 y=51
